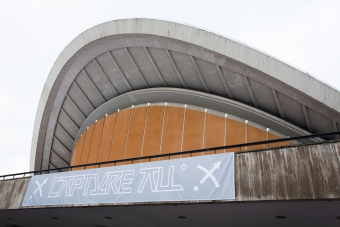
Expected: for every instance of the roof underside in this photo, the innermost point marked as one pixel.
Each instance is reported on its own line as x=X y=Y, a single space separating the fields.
x=115 y=65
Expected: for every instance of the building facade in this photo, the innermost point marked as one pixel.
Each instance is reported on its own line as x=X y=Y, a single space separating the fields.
x=135 y=87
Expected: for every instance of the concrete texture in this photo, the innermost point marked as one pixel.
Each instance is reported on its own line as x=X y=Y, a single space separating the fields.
x=12 y=193
x=120 y=56
x=286 y=174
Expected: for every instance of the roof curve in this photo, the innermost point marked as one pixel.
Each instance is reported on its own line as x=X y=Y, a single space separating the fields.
x=117 y=58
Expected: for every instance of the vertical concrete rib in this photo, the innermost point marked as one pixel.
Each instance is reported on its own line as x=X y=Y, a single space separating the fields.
x=51 y=165
x=127 y=132
x=307 y=119
x=225 y=131
x=88 y=154
x=142 y=145
x=136 y=67
x=224 y=82
x=76 y=106
x=113 y=133
x=250 y=90
x=68 y=116
x=83 y=70
x=175 y=68
x=68 y=163
x=185 y=110
x=83 y=93
x=155 y=66
x=62 y=144
x=65 y=131
x=204 y=123
x=120 y=71
x=278 y=104
x=105 y=76
x=199 y=74
x=101 y=137
x=161 y=142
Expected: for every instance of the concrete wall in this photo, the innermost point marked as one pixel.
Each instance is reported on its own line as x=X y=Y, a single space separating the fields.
x=296 y=173
x=305 y=172
x=12 y=192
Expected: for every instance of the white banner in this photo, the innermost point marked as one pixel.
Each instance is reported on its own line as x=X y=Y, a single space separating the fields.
x=209 y=177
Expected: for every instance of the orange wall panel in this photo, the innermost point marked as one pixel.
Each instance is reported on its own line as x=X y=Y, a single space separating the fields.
x=172 y=130
x=153 y=131
x=106 y=140
x=236 y=134
x=135 y=133
x=119 y=136
x=214 y=132
x=87 y=145
x=78 y=150
x=255 y=135
x=193 y=131
x=95 y=142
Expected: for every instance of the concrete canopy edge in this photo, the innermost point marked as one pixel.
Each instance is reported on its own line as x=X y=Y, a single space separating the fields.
x=217 y=43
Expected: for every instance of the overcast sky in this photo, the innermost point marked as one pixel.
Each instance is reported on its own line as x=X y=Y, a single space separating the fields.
x=305 y=34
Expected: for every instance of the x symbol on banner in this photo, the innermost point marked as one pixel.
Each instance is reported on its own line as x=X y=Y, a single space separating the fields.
x=39 y=187
x=210 y=173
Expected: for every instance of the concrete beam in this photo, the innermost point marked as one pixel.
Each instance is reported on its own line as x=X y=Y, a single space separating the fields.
x=105 y=76
x=159 y=74
x=250 y=91
x=136 y=67
x=120 y=71
x=93 y=84
x=199 y=74
x=278 y=104
x=176 y=68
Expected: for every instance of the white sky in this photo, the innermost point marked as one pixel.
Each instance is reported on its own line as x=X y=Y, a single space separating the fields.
x=303 y=33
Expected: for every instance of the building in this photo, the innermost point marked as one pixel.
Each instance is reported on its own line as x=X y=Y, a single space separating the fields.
x=142 y=87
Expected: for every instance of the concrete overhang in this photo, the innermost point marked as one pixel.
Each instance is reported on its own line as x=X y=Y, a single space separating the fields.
x=122 y=56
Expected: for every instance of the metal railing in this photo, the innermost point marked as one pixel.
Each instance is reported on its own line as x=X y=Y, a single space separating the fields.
x=159 y=156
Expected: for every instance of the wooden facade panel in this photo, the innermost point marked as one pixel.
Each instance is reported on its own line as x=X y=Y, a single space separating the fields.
x=193 y=131
x=76 y=154
x=120 y=134
x=106 y=140
x=172 y=130
x=78 y=151
x=254 y=135
x=236 y=134
x=153 y=131
x=96 y=137
x=135 y=133
x=150 y=130
x=87 y=145
x=214 y=135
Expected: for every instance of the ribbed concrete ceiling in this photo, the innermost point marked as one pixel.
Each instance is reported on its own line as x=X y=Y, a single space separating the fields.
x=115 y=65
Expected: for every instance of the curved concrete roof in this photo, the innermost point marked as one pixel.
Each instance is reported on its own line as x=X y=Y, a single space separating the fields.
x=117 y=57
